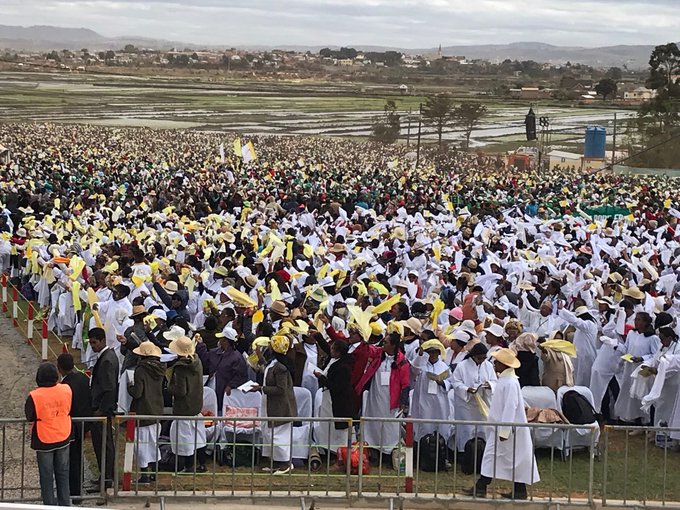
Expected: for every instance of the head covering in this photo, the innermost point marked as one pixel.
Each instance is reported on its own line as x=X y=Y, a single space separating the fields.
x=229 y=333
x=525 y=342
x=581 y=310
x=138 y=311
x=457 y=313
x=507 y=358
x=174 y=333
x=434 y=344
x=280 y=344
x=147 y=349
x=633 y=292
x=495 y=330
x=183 y=346
x=47 y=375
x=171 y=287
x=414 y=325
x=478 y=349
x=280 y=308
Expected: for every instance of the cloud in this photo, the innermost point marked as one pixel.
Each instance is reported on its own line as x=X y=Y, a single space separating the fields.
x=399 y=23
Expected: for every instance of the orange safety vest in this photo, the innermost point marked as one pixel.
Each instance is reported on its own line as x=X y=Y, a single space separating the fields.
x=52 y=411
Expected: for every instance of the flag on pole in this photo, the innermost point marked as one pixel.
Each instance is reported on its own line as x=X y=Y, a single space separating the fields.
x=237 y=147
x=222 y=152
x=248 y=153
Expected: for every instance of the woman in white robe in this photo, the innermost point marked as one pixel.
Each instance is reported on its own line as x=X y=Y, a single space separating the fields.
x=431 y=388
x=664 y=390
x=473 y=378
x=585 y=340
x=608 y=361
x=509 y=452
x=109 y=314
x=641 y=344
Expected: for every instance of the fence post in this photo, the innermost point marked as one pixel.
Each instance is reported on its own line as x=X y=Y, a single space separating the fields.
x=44 y=338
x=129 y=453
x=408 y=472
x=29 y=324
x=15 y=307
x=4 y=292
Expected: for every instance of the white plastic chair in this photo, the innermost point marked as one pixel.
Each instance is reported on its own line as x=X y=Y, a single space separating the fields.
x=239 y=399
x=302 y=437
x=543 y=397
x=579 y=438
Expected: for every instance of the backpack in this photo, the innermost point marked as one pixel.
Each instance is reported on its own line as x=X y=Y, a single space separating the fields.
x=432 y=453
x=577 y=409
x=473 y=453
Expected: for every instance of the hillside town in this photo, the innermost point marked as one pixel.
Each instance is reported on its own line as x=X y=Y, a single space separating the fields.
x=526 y=80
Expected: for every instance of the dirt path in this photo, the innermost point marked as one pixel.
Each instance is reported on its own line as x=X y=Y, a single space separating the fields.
x=17 y=378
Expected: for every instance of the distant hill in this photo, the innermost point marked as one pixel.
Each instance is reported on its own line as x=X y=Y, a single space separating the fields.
x=43 y=37
x=50 y=37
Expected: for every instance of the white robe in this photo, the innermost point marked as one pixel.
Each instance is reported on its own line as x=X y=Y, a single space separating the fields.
x=430 y=400
x=108 y=311
x=470 y=375
x=383 y=435
x=627 y=408
x=516 y=453
x=586 y=342
x=606 y=366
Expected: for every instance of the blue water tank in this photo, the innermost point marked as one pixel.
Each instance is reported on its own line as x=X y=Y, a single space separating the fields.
x=596 y=142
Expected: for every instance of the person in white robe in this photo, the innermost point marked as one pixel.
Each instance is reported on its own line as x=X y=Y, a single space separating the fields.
x=641 y=344
x=387 y=397
x=430 y=392
x=509 y=452
x=665 y=387
x=473 y=381
x=585 y=340
x=109 y=313
x=607 y=364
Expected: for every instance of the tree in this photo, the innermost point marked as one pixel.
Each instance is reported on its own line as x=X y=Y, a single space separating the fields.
x=467 y=116
x=438 y=112
x=109 y=55
x=614 y=73
x=664 y=63
x=388 y=128
x=606 y=88
x=130 y=48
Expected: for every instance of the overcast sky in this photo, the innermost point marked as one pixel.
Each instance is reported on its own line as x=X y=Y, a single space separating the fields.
x=400 y=23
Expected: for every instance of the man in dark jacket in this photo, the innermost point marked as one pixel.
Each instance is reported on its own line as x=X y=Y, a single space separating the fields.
x=147 y=399
x=48 y=407
x=224 y=363
x=104 y=389
x=81 y=406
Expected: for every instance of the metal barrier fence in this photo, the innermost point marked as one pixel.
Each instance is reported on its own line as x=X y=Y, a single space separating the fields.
x=577 y=465
x=19 y=479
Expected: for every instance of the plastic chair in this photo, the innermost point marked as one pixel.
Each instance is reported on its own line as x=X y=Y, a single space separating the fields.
x=543 y=397
x=579 y=438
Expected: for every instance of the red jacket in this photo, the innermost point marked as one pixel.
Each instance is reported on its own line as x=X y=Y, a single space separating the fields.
x=363 y=356
x=400 y=378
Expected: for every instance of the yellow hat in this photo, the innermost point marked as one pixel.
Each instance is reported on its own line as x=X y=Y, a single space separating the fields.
x=434 y=344
x=507 y=357
x=280 y=344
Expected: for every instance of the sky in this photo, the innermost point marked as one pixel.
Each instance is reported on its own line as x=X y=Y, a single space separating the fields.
x=395 y=23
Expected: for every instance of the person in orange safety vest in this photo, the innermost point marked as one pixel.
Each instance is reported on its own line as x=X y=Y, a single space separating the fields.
x=48 y=408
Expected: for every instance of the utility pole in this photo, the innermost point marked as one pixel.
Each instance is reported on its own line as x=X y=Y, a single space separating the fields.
x=420 y=123
x=614 y=148
x=408 y=130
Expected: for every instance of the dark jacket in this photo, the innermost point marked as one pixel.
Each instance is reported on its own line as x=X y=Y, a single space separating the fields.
x=147 y=390
x=104 y=384
x=186 y=387
x=298 y=355
x=81 y=400
x=278 y=386
x=167 y=300
x=134 y=335
x=338 y=382
x=228 y=367
x=527 y=373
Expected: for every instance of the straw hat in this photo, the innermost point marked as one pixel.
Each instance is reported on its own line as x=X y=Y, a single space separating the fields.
x=338 y=248
x=634 y=293
x=581 y=310
x=250 y=280
x=171 y=287
x=414 y=325
x=183 y=346
x=147 y=349
x=280 y=308
x=138 y=311
x=506 y=357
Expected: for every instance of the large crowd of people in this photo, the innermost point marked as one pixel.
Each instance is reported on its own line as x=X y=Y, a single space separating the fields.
x=338 y=267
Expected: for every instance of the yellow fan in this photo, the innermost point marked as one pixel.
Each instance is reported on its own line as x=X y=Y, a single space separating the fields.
x=386 y=305
x=241 y=298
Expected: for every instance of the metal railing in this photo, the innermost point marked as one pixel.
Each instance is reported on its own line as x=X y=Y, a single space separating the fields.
x=19 y=479
x=578 y=466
